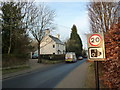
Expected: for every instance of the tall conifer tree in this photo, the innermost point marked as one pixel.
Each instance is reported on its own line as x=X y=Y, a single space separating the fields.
x=74 y=44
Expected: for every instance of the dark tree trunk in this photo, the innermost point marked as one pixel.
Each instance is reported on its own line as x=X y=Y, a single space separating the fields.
x=39 y=59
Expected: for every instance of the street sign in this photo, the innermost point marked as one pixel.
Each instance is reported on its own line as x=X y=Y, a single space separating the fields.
x=96 y=50
x=95 y=39
x=95 y=53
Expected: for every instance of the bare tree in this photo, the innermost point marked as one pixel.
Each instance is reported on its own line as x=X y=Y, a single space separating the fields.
x=102 y=15
x=40 y=18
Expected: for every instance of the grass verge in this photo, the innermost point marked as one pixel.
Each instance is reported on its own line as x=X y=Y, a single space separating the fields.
x=90 y=79
x=14 y=69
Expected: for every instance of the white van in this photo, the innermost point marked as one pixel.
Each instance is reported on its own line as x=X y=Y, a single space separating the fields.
x=70 y=57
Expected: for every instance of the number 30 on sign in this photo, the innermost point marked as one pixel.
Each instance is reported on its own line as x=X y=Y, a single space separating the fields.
x=95 y=40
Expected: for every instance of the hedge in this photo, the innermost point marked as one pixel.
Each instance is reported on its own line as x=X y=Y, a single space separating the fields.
x=53 y=57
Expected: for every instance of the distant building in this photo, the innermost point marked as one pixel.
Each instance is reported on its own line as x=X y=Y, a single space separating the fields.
x=51 y=45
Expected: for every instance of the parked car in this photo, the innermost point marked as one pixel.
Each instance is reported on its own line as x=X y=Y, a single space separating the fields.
x=80 y=58
x=34 y=56
x=84 y=56
x=70 y=57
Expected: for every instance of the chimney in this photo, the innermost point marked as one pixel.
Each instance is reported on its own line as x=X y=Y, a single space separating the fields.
x=47 y=32
x=58 y=36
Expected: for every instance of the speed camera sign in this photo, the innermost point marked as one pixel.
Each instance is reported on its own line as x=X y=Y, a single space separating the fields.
x=96 y=50
x=95 y=53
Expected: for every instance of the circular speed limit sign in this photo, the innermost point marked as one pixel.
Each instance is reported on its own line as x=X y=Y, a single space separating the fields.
x=95 y=40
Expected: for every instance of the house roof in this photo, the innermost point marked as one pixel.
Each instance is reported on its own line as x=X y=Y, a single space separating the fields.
x=58 y=41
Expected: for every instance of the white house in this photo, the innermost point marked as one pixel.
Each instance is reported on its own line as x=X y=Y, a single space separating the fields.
x=51 y=44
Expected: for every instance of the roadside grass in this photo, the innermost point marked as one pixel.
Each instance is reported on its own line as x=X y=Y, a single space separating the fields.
x=8 y=70
x=51 y=61
x=14 y=69
x=90 y=79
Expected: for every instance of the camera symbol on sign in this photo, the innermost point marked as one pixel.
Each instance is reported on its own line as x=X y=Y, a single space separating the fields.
x=95 y=53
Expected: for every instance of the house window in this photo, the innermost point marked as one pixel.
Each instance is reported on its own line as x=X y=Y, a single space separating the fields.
x=59 y=51
x=63 y=51
x=53 y=46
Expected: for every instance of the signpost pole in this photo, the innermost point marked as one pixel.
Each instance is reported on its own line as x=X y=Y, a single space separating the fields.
x=96 y=74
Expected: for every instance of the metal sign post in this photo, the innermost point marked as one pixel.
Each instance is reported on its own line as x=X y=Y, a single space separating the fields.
x=96 y=74
x=96 y=52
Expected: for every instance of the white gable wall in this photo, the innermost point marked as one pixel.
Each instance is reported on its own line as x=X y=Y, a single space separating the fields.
x=47 y=46
x=60 y=49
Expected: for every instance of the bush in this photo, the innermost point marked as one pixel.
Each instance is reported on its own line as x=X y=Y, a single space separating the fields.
x=111 y=67
x=12 y=60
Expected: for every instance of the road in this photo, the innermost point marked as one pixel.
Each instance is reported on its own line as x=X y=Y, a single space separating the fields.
x=43 y=78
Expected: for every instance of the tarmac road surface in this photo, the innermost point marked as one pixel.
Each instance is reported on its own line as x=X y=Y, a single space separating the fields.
x=50 y=77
